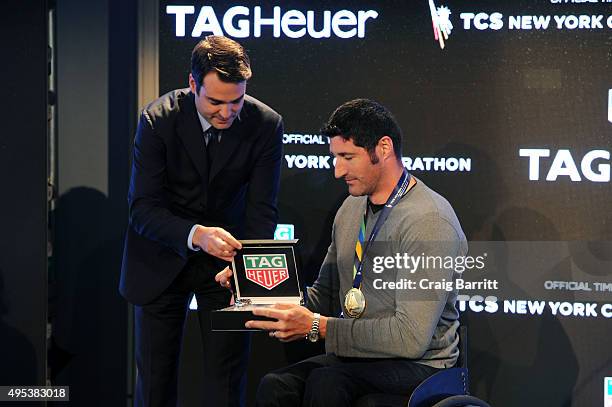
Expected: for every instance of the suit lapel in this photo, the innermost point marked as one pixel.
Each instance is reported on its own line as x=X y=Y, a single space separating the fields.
x=189 y=130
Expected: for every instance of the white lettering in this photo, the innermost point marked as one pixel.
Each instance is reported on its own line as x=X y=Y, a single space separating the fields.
x=290 y=160
x=478 y=21
x=565 y=309
x=325 y=30
x=278 y=261
x=301 y=161
x=559 y=20
x=590 y=310
x=291 y=23
x=521 y=307
x=467 y=18
x=563 y=164
x=510 y=306
x=497 y=21
x=324 y=161
x=362 y=17
x=452 y=164
x=541 y=22
x=437 y=164
x=475 y=301
x=603 y=174
x=344 y=18
x=304 y=139
x=536 y=307
x=242 y=31
x=206 y=22
x=293 y=18
x=514 y=22
x=534 y=155
x=571 y=22
x=482 y=21
x=417 y=164
x=554 y=306
x=180 y=12
x=310 y=161
x=258 y=21
x=528 y=22
x=584 y=22
x=465 y=164
x=596 y=21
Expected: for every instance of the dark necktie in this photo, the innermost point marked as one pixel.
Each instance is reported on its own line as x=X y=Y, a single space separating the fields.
x=211 y=145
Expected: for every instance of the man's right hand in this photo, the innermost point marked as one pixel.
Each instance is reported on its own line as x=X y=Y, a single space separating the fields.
x=215 y=241
x=223 y=278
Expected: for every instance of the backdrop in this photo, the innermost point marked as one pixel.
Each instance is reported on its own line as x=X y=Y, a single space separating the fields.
x=506 y=109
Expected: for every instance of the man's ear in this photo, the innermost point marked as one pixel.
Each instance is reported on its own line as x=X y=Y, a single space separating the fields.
x=386 y=144
x=192 y=84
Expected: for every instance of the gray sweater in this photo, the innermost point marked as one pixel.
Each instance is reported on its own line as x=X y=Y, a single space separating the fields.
x=414 y=324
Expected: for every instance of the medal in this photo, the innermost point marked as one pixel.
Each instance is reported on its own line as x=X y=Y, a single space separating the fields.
x=354 y=303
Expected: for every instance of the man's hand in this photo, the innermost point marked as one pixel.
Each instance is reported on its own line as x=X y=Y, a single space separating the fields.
x=223 y=278
x=293 y=322
x=217 y=242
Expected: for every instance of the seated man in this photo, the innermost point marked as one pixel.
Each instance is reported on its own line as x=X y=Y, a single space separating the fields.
x=386 y=340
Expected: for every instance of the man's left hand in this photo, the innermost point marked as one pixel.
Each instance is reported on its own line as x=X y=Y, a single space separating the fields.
x=293 y=321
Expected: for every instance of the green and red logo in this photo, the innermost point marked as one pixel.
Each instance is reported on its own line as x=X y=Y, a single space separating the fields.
x=267 y=270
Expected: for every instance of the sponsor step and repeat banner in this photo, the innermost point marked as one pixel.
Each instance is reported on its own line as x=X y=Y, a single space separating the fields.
x=506 y=109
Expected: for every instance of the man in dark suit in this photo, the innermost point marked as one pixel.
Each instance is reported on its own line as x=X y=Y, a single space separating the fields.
x=205 y=173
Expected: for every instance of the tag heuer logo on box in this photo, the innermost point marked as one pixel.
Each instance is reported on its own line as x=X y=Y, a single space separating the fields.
x=267 y=270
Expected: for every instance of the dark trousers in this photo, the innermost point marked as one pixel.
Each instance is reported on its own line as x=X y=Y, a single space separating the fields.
x=159 y=333
x=329 y=380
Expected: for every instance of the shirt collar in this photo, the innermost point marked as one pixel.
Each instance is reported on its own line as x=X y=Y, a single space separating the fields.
x=205 y=125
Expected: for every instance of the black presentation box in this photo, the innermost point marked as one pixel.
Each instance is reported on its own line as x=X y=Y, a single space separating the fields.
x=265 y=273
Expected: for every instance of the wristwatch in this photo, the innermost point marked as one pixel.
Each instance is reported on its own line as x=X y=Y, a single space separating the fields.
x=313 y=335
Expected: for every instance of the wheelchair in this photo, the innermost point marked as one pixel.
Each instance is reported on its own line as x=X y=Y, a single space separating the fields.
x=447 y=388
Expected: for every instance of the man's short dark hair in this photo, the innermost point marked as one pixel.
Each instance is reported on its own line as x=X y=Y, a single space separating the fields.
x=365 y=122
x=220 y=54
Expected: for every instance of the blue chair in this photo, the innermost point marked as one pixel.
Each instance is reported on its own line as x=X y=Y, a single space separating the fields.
x=447 y=388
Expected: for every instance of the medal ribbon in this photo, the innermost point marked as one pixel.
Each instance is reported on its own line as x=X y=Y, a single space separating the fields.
x=400 y=190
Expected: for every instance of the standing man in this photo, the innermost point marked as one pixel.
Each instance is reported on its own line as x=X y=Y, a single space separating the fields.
x=388 y=340
x=205 y=173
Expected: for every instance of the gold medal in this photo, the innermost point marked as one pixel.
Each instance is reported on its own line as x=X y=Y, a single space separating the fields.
x=354 y=303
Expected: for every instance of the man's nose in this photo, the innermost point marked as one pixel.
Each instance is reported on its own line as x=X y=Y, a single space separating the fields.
x=226 y=111
x=339 y=170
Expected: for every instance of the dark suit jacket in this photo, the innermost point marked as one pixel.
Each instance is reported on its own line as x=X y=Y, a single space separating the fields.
x=171 y=188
